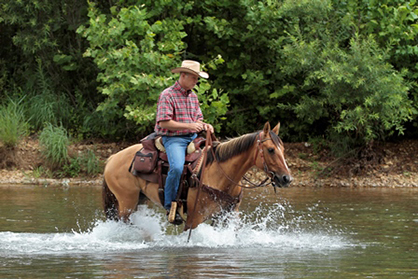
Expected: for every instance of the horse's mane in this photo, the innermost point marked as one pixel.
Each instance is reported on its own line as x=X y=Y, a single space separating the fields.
x=235 y=146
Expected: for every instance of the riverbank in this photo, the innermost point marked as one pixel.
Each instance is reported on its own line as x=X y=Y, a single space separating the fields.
x=385 y=165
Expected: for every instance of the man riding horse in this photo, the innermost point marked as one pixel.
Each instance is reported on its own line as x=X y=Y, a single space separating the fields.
x=213 y=186
x=179 y=119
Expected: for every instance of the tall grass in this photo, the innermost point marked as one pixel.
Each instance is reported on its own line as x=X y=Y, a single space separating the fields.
x=48 y=108
x=92 y=163
x=13 y=124
x=47 y=105
x=55 y=141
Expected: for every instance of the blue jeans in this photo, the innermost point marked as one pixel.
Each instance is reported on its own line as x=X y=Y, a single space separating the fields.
x=176 y=152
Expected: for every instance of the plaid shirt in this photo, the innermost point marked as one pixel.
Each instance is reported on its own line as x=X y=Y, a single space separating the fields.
x=175 y=103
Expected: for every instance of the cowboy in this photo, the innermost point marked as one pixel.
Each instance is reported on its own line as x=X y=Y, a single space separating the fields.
x=179 y=119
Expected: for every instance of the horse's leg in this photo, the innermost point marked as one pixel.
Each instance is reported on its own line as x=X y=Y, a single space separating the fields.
x=226 y=217
x=142 y=199
x=193 y=221
x=110 y=203
x=126 y=192
x=128 y=203
x=194 y=217
x=205 y=208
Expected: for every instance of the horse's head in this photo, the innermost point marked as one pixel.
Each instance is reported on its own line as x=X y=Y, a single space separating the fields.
x=270 y=156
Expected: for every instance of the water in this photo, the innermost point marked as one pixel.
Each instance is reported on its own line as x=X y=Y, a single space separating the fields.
x=299 y=233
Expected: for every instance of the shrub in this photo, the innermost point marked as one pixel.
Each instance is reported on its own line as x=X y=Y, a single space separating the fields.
x=353 y=94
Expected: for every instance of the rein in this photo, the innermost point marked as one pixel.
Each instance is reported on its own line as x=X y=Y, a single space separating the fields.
x=204 y=156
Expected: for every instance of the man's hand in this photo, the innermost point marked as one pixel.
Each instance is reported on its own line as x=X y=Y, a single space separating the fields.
x=207 y=127
x=196 y=127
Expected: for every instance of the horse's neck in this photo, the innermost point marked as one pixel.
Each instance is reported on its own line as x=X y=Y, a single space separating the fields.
x=228 y=174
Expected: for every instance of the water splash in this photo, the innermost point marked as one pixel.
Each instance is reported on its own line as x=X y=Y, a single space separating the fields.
x=267 y=226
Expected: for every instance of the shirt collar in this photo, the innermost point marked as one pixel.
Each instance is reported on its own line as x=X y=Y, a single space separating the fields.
x=183 y=91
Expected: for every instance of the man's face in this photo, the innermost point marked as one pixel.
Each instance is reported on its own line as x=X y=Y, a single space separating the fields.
x=188 y=81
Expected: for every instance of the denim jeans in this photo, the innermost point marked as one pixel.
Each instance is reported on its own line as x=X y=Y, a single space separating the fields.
x=176 y=152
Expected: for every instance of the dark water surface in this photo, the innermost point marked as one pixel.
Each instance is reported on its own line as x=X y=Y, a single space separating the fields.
x=53 y=232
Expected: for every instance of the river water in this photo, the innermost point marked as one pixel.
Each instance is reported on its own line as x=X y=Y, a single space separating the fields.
x=60 y=232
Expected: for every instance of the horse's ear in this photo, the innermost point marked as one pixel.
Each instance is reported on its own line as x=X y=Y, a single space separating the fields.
x=266 y=129
x=277 y=128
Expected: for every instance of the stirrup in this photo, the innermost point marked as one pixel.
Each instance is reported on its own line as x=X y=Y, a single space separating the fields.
x=173 y=216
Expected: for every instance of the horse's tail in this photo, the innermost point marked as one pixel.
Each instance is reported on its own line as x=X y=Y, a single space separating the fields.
x=110 y=203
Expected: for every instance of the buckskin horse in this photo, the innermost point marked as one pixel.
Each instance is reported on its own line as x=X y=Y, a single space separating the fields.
x=219 y=188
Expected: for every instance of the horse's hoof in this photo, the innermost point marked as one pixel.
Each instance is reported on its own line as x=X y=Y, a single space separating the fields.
x=177 y=220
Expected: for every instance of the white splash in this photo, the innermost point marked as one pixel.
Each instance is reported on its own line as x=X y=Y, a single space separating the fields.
x=269 y=227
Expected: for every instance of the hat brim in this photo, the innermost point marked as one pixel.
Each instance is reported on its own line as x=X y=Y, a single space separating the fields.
x=187 y=70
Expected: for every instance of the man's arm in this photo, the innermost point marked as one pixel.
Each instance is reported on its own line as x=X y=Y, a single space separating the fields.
x=172 y=125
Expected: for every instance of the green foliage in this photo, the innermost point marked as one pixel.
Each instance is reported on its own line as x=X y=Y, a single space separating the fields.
x=135 y=54
x=342 y=71
x=54 y=141
x=213 y=104
x=395 y=27
x=42 y=172
x=72 y=169
x=42 y=55
x=44 y=105
x=86 y=163
x=92 y=164
x=136 y=48
x=243 y=32
x=351 y=89
x=341 y=82
x=13 y=124
x=48 y=109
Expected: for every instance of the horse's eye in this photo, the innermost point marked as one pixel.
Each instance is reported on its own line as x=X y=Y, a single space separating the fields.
x=271 y=150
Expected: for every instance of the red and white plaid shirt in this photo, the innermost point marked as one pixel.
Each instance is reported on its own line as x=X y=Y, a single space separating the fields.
x=176 y=103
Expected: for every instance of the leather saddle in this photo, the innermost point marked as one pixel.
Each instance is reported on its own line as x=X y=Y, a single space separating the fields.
x=151 y=164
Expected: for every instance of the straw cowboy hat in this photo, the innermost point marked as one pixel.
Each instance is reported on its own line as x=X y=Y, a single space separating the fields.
x=191 y=67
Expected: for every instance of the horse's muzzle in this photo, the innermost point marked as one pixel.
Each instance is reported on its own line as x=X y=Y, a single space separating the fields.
x=282 y=180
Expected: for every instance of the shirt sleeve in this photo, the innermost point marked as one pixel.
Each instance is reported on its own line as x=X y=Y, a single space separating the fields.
x=164 y=108
x=199 y=113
